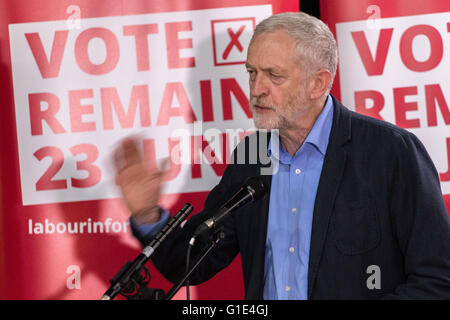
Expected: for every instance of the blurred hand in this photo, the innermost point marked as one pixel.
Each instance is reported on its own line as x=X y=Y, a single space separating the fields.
x=139 y=182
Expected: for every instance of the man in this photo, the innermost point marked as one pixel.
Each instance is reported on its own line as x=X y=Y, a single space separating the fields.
x=354 y=211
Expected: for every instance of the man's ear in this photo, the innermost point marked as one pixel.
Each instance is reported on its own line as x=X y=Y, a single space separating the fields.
x=319 y=83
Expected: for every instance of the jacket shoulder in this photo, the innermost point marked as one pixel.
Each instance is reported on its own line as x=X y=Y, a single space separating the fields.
x=378 y=130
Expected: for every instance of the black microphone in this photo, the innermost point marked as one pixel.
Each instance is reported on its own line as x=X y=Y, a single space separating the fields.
x=125 y=275
x=252 y=189
x=174 y=222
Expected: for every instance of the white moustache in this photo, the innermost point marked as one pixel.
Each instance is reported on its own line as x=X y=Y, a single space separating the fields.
x=255 y=101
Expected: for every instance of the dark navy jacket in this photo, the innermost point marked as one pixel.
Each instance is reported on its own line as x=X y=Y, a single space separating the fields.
x=378 y=203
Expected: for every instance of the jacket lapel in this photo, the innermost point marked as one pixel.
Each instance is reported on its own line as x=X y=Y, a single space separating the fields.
x=255 y=220
x=330 y=179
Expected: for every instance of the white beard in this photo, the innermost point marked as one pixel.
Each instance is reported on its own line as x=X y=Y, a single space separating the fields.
x=280 y=118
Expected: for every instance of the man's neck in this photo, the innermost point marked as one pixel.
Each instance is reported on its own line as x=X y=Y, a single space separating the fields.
x=292 y=138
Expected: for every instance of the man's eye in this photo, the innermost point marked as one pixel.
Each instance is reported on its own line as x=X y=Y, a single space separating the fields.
x=276 y=78
x=275 y=75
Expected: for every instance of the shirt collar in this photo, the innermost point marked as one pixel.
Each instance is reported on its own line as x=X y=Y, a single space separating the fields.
x=318 y=136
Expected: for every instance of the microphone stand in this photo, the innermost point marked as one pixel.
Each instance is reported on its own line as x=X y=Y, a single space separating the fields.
x=135 y=285
x=129 y=281
x=132 y=284
x=215 y=239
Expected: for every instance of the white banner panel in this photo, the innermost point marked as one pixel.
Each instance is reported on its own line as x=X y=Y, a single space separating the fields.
x=80 y=88
x=398 y=70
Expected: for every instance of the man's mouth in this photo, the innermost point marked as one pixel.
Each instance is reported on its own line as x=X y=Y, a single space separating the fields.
x=260 y=108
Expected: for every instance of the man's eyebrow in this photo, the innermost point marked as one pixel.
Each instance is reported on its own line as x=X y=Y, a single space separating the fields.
x=274 y=69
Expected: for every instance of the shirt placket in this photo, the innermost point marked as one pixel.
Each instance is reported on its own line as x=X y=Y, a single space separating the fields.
x=295 y=181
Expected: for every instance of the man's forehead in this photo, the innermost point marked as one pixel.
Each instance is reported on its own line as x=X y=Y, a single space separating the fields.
x=277 y=34
x=271 y=50
x=273 y=40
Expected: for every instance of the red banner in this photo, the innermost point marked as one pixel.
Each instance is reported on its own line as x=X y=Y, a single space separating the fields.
x=76 y=77
x=393 y=65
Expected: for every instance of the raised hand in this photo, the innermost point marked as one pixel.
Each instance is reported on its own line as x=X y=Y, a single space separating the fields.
x=139 y=181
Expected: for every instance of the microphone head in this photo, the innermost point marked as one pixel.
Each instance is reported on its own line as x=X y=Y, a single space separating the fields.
x=256 y=186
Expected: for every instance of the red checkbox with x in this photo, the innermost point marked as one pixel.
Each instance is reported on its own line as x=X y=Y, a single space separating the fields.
x=231 y=38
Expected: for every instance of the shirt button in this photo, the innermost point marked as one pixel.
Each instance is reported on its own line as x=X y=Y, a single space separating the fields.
x=291 y=249
x=294 y=210
x=288 y=288
x=297 y=171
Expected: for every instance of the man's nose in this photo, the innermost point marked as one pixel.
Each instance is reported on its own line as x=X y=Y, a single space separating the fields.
x=259 y=86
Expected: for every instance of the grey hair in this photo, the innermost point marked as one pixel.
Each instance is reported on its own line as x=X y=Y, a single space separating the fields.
x=316 y=46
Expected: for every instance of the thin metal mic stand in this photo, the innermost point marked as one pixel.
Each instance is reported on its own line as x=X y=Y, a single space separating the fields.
x=217 y=236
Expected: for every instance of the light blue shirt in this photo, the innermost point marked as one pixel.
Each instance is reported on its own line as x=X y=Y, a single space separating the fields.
x=292 y=197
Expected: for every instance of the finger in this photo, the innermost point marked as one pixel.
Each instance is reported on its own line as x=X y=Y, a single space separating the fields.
x=131 y=154
x=164 y=168
x=158 y=174
x=118 y=159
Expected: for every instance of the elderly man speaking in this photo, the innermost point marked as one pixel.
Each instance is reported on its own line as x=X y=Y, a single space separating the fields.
x=351 y=197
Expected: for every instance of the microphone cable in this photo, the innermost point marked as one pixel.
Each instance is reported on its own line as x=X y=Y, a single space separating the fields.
x=188 y=255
